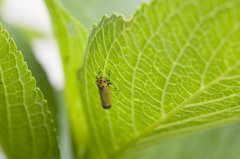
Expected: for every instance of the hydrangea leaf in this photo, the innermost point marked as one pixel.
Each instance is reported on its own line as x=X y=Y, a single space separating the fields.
x=26 y=126
x=177 y=64
x=22 y=37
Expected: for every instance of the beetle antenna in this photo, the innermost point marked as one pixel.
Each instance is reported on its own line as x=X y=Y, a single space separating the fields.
x=98 y=73
x=109 y=76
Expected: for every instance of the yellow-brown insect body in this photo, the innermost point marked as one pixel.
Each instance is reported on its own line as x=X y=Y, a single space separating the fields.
x=104 y=92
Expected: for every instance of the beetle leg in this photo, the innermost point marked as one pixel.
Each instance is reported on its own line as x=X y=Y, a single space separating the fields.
x=108 y=76
x=113 y=86
x=98 y=73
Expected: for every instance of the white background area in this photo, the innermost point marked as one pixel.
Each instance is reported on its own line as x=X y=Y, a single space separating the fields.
x=33 y=14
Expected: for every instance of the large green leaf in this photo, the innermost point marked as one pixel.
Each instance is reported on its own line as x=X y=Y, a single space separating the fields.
x=26 y=125
x=71 y=38
x=176 y=64
x=22 y=37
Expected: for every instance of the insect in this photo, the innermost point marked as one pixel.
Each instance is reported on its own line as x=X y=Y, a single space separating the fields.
x=104 y=90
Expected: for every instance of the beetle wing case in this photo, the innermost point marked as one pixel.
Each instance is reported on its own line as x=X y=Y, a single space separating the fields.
x=104 y=92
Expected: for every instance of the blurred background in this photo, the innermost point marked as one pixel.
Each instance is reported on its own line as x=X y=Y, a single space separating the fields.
x=34 y=16
x=29 y=23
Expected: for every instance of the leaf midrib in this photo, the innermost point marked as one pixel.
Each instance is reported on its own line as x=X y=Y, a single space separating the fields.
x=8 y=108
x=8 y=121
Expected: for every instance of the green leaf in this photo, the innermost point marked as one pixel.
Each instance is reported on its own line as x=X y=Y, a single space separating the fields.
x=177 y=64
x=22 y=37
x=90 y=11
x=26 y=125
x=71 y=38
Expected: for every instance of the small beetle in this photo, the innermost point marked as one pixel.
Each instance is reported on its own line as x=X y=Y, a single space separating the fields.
x=104 y=91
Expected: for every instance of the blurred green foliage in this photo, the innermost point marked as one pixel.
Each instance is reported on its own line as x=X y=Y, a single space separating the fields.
x=89 y=12
x=219 y=143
